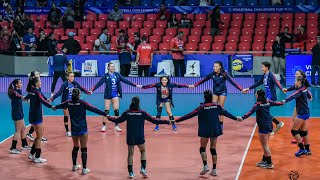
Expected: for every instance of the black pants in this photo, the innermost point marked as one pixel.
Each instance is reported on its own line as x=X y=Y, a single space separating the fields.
x=143 y=68
x=179 y=64
x=125 y=69
x=56 y=76
x=314 y=69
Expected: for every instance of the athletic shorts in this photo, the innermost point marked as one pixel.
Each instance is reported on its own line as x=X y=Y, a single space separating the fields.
x=36 y=123
x=220 y=94
x=265 y=131
x=304 y=116
x=79 y=133
x=164 y=100
x=113 y=95
x=16 y=116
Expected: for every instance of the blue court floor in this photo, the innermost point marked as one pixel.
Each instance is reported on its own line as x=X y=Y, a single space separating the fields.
x=238 y=104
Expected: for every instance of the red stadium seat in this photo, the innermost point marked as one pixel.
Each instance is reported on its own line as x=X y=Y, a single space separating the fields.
x=59 y=32
x=86 y=24
x=246 y=39
x=258 y=47
x=236 y=24
x=59 y=46
x=127 y=17
x=260 y=31
x=219 y=39
x=112 y=24
x=155 y=38
x=152 y=17
x=313 y=32
x=223 y=26
x=171 y=31
x=158 y=31
x=300 y=16
x=43 y=17
x=185 y=31
x=192 y=46
x=206 y=31
x=77 y=24
x=146 y=32
x=132 y=31
x=71 y=30
x=136 y=24
x=244 y=46
x=262 y=16
x=201 y=17
x=287 y=24
x=103 y=17
x=114 y=39
x=124 y=24
x=164 y=46
x=99 y=24
x=225 y=17
x=273 y=31
x=83 y=31
x=268 y=48
x=154 y=45
x=233 y=39
x=95 y=32
x=274 y=16
x=48 y=24
x=167 y=39
x=287 y=16
x=87 y=47
x=205 y=46
x=249 y=24
x=91 y=39
x=139 y=17
x=217 y=47
x=80 y=39
x=113 y=47
x=231 y=46
x=270 y=38
x=206 y=38
x=262 y=23
x=196 y=31
x=237 y=17
x=39 y=24
x=34 y=17
x=300 y=22
x=247 y=31
x=274 y=24
x=190 y=16
x=258 y=39
x=313 y=16
x=47 y=31
x=92 y=17
x=310 y=46
x=179 y=16
x=208 y=24
x=234 y=31
x=250 y=16
x=148 y=24
x=312 y=24
x=199 y=23
x=64 y=37
x=288 y=45
x=161 y=24
x=194 y=38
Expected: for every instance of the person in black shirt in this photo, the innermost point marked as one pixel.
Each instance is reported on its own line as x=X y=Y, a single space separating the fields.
x=42 y=43
x=136 y=43
x=215 y=21
x=15 y=42
x=285 y=36
x=72 y=45
x=185 y=22
x=59 y=62
x=278 y=56
x=52 y=44
x=315 y=66
x=79 y=9
x=173 y=22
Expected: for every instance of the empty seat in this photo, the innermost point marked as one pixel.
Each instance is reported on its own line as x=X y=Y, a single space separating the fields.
x=91 y=39
x=131 y=31
x=127 y=17
x=206 y=38
x=103 y=17
x=86 y=24
x=167 y=39
x=205 y=46
x=155 y=38
x=202 y=17
x=148 y=24
x=231 y=46
x=145 y=32
x=194 y=38
x=262 y=16
x=245 y=39
x=124 y=24
x=300 y=16
x=99 y=24
x=154 y=45
x=275 y=16
x=258 y=47
x=250 y=16
x=171 y=31
x=112 y=24
x=196 y=31
x=199 y=23
x=219 y=39
x=139 y=17
x=233 y=39
x=185 y=31
x=258 y=38
x=236 y=23
x=164 y=46
x=244 y=46
x=83 y=31
x=152 y=17
x=217 y=47
x=237 y=17
x=192 y=46
x=158 y=31
x=136 y=24
x=247 y=31
x=58 y=31
x=161 y=24
x=260 y=31
x=287 y=16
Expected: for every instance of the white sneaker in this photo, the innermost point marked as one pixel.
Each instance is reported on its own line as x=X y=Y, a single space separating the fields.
x=26 y=147
x=205 y=170
x=30 y=137
x=85 y=171
x=31 y=157
x=76 y=167
x=103 y=129
x=214 y=172
x=279 y=126
x=143 y=172
x=39 y=160
x=44 y=139
x=118 y=129
x=14 y=151
x=68 y=134
x=131 y=175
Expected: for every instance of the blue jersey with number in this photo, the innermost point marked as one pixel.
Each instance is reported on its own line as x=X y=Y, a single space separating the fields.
x=70 y=88
x=114 y=85
x=267 y=86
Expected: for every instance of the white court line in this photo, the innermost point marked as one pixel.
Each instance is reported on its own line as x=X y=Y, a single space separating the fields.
x=246 y=151
x=10 y=136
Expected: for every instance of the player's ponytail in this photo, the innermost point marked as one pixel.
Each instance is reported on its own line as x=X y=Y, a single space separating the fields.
x=207 y=96
x=11 y=87
x=135 y=103
x=75 y=94
x=32 y=76
x=261 y=96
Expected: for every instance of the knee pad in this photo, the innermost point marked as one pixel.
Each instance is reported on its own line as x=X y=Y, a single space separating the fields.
x=84 y=150
x=65 y=119
x=171 y=118
x=213 y=152
x=75 y=149
x=116 y=112
x=159 y=112
x=106 y=111
x=202 y=150
x=303 y=133
x=294 y=132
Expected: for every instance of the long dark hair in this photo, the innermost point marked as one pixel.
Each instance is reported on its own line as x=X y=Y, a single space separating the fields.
x=75 y=94
x=221 y=65
x=11 y=87
x=135 y=103
x=306 y=82
x=31 y=77
x=32 y=83
x=261 y=96
x=164 y=77
x=207 y=96
x=301 y=79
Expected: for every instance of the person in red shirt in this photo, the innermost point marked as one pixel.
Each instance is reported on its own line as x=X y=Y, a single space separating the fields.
x=300 y=38
x=177 y=48
x=163 y=13
x=144 y=57
x=123 y=53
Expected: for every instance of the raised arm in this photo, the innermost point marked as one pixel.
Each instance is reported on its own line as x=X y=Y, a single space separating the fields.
x=59 y=92
x=175 y=85
x=226 y=113
x=256 y=84
x=149 y=86
x=43 y=99
x=63 y=105
x=232 y=82
x=93 y=109
x=272 y=103
x=292 y=88
x=99 y=83
x=120 y=119
x=203 y=80
x=82 y=88
x=253 y=110
x=274 y=79
x=153 y=120
x=126 y=81
x=190 y=115
x=295 y=95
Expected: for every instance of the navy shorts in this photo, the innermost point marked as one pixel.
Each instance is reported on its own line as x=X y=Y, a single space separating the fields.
x=16 y=116
x=36 y=122
x=164 y=100
x=304 y=116
x=220 y=93
x=113 y=95
x=78 y=133
x=265 y=129
x=135 y=141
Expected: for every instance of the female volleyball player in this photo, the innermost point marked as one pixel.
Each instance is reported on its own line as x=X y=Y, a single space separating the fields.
x=135 y=118
x=66 y=92
x=34 y=74
x=15 y=95
x=264 y=121
x=219 y=77
x=303 y=114
x=79 y=131
x=164 y=97
x=112 y=92
x=35 y=116
x=209 y=127
x=269 y=80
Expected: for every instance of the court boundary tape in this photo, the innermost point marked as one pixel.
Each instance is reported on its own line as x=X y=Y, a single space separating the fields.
x=246 y=151
x=10 y=136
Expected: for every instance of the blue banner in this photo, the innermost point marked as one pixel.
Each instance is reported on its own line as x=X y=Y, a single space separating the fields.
x=242 y=63
x=297 y=62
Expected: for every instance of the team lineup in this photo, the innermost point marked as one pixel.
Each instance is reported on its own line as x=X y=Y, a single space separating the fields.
x=210 y=114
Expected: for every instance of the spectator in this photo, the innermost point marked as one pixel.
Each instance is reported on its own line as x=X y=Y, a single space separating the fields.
x=54 y=16
x=215 y=21
x=116 y=14
x=136 y=43
x=96 y=45
x=185 y=22
x=278 y=57
x=68 y=19
x=163 y=14
x=59 y=62
x=18 y=25
x=4 y=3
x=4 y=40
x=79 y=9
x=41 y=3
x=204 y=3
x=276 y=2
x=15 y=42
x=28 y=23
x=29 y=40
x=52 y=45
x=177 y=48
x=20 y=3
x=173 y=21
x=8 y=14
x=144 y=57
x=42 y=42
x=71 y=45
x=104 y=40
x=123 y=53
x=300 y=38
x=285 y=36
x=20 y=13
x=315 y=66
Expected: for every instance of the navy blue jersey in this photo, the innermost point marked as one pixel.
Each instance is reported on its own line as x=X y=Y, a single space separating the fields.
x=269 y=81
x=219 y=82
x=16 y=104
x=169 y=86
x=66 y=91
x=36 y=100
x=135 y=125
x=208 y=119
x=301 y=97
x=263 y=116
x=78 y=112
x=60 y=61
x=109 y=83
x=292 y=88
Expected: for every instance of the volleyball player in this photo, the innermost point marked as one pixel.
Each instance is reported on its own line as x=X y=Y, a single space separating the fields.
x=209 y=127
x=135 y=118
x=164 y=97
x=66 y=92
x=79 y=131
x=264 y=121
x=112 y=92
x=15 y=95
x=303 y=114
x=36 y=117
x=269 y=81
x=219 y=77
